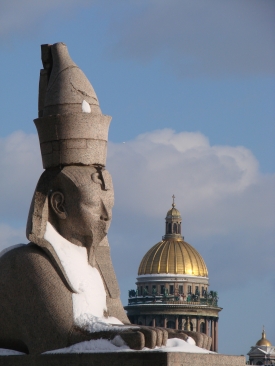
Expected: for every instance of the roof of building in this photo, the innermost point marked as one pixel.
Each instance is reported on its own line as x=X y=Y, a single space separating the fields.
x=263 y=341
x=173 y=256
x=173 y=211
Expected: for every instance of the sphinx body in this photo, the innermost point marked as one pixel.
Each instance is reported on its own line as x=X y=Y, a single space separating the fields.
x=39 y=294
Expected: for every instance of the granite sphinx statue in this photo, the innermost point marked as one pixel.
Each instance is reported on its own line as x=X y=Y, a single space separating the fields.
x=61 y=289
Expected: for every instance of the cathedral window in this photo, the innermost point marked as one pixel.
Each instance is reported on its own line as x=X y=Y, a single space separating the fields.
x=171 y=289
x=175 y=228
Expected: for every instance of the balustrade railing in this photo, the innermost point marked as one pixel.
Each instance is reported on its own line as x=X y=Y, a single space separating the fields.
x=171 y=299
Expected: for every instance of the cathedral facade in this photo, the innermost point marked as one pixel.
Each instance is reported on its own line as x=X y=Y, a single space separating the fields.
x=173 y=286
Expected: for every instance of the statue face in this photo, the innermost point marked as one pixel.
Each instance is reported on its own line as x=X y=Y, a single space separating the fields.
x=92 y=213
x=84 y=211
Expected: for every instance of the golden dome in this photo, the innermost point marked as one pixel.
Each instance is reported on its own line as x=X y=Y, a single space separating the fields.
x=173 y=256
x=173 y=212
x=263 y=341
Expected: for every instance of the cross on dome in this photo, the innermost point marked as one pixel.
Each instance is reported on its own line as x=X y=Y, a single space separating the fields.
x=173 y=204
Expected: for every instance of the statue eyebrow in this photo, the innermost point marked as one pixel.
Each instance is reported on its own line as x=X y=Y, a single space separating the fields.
x=103 y=185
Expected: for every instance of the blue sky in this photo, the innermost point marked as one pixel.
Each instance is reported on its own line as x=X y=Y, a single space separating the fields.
x=190 y=86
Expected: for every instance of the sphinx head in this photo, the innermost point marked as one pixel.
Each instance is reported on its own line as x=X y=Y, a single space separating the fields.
x=74 y=193
x=77 y=201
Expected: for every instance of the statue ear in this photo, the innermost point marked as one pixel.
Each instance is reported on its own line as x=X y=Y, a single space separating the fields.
x=57 y=204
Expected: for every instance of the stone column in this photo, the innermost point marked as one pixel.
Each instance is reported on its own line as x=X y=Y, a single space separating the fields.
x=213 y=346
x=180 y=322
x=216 y=335
x=199 y=324
x=177 y=323
x=165 y=322
x=154 y=322
x=206 y=327
x=185 y=289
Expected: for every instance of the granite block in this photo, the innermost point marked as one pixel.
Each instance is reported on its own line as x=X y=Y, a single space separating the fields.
x=124 y=359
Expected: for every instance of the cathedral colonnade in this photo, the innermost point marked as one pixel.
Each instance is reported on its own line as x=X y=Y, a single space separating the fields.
x=203 y=324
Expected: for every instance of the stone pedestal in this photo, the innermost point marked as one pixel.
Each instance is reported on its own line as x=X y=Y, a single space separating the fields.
x=125 y=359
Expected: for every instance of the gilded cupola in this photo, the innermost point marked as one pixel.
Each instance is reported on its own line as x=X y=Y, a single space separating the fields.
x=173 y=255
x=263 y=341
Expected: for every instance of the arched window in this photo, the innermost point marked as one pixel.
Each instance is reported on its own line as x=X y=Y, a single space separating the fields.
x=170 y=324
x=175 y=228
x=169 y=228
x=202 y=327
x=179 y=228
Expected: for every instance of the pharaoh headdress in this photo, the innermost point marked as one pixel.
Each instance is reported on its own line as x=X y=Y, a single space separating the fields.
x=72 y=133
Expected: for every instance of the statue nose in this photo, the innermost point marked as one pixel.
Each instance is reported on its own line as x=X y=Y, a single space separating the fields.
x=106 y=214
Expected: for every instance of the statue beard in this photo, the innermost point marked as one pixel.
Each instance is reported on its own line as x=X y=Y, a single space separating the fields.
x=94 y=241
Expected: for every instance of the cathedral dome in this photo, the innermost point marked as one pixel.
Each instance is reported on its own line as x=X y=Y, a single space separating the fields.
x=263 y=341
x=173 y=256
x=173 y=212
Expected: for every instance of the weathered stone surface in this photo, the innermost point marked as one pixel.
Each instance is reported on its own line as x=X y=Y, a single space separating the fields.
x=46 y=57
x=72 y=126
x=73 y=139
x=43 y=83
x=68 y=85
x=198 y=337
x=125 y=359
x=62 y=123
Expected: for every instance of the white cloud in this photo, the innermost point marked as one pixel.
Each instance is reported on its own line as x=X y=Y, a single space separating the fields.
x=227 y=205
x=20 y=166
x=181 y=163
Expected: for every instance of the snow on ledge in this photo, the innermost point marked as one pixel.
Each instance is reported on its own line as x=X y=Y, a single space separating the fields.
x=10 y=352
x=118 y=345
